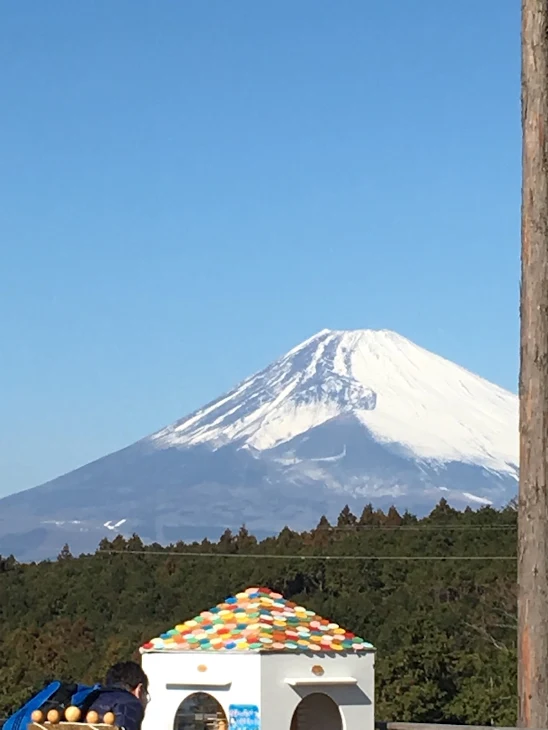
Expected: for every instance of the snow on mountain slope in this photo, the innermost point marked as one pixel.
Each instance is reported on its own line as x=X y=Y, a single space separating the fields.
x=344 y=418
x=428 y=407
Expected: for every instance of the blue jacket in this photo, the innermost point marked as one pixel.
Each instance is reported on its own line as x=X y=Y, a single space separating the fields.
x=127 y=708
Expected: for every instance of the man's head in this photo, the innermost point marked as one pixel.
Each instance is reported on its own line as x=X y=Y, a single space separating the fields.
x=129 y=676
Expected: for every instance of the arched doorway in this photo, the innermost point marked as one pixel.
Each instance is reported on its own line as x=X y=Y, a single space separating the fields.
x=200 y=711
x=317 y=712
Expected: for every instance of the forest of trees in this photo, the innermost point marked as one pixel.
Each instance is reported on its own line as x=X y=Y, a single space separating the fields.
x=444 y=629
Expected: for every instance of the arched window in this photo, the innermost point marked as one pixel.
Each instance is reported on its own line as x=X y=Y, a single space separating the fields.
x=316 y=711
x=200 y=711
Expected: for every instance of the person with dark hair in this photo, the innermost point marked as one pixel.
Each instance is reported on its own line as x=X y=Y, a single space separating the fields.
x=126 y=696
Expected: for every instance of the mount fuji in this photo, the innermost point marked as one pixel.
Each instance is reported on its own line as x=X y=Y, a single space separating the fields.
x=346 y=417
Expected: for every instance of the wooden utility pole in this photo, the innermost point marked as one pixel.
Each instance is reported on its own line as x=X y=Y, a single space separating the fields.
x=533 y=387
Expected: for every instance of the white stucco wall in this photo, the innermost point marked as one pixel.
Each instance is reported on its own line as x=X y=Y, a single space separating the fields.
x=259 y=679
x=231 y=678
x=279 y=700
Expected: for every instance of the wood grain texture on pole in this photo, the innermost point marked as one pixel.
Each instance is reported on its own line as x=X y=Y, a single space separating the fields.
x=533 y=386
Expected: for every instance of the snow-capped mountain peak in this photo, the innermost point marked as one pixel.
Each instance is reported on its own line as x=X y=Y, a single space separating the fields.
x=406 y=397
x=347 y=417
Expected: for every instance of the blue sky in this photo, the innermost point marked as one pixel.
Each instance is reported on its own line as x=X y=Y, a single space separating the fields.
x=189 y=189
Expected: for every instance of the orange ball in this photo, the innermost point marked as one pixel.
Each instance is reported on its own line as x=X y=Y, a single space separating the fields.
x=92 y=717
x=54 y=716
x=37 y=716
x=109 y=718
x=72 y=714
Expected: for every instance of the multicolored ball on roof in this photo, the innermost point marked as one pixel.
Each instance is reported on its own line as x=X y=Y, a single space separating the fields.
x=257 y=619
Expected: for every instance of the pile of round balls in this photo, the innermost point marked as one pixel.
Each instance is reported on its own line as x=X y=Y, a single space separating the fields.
x=257 y=620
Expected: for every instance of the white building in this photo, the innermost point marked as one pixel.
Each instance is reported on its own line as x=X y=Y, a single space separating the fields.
x=259 y=662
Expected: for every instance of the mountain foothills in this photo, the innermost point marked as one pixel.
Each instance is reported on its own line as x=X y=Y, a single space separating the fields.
x=445 y=630
x=347 y=415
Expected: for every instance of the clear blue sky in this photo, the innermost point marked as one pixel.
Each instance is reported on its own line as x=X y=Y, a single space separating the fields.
x=189 y=189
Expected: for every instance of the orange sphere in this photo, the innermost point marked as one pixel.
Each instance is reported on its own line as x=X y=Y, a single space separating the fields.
x=54 y=716
x=37 y=716
x=72 y=714
x=109 y=718
x=92 y=717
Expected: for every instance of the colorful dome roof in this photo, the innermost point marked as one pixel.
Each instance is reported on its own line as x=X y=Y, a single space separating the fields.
x=257 y=620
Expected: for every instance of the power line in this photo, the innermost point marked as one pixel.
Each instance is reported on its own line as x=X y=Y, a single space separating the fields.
x=415 y=528
x=260 y=556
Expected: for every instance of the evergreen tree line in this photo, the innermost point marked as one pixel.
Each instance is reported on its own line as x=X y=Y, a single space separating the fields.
x=444 y=629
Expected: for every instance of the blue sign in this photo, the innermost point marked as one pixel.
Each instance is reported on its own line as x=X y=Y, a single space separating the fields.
x=243 y=717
